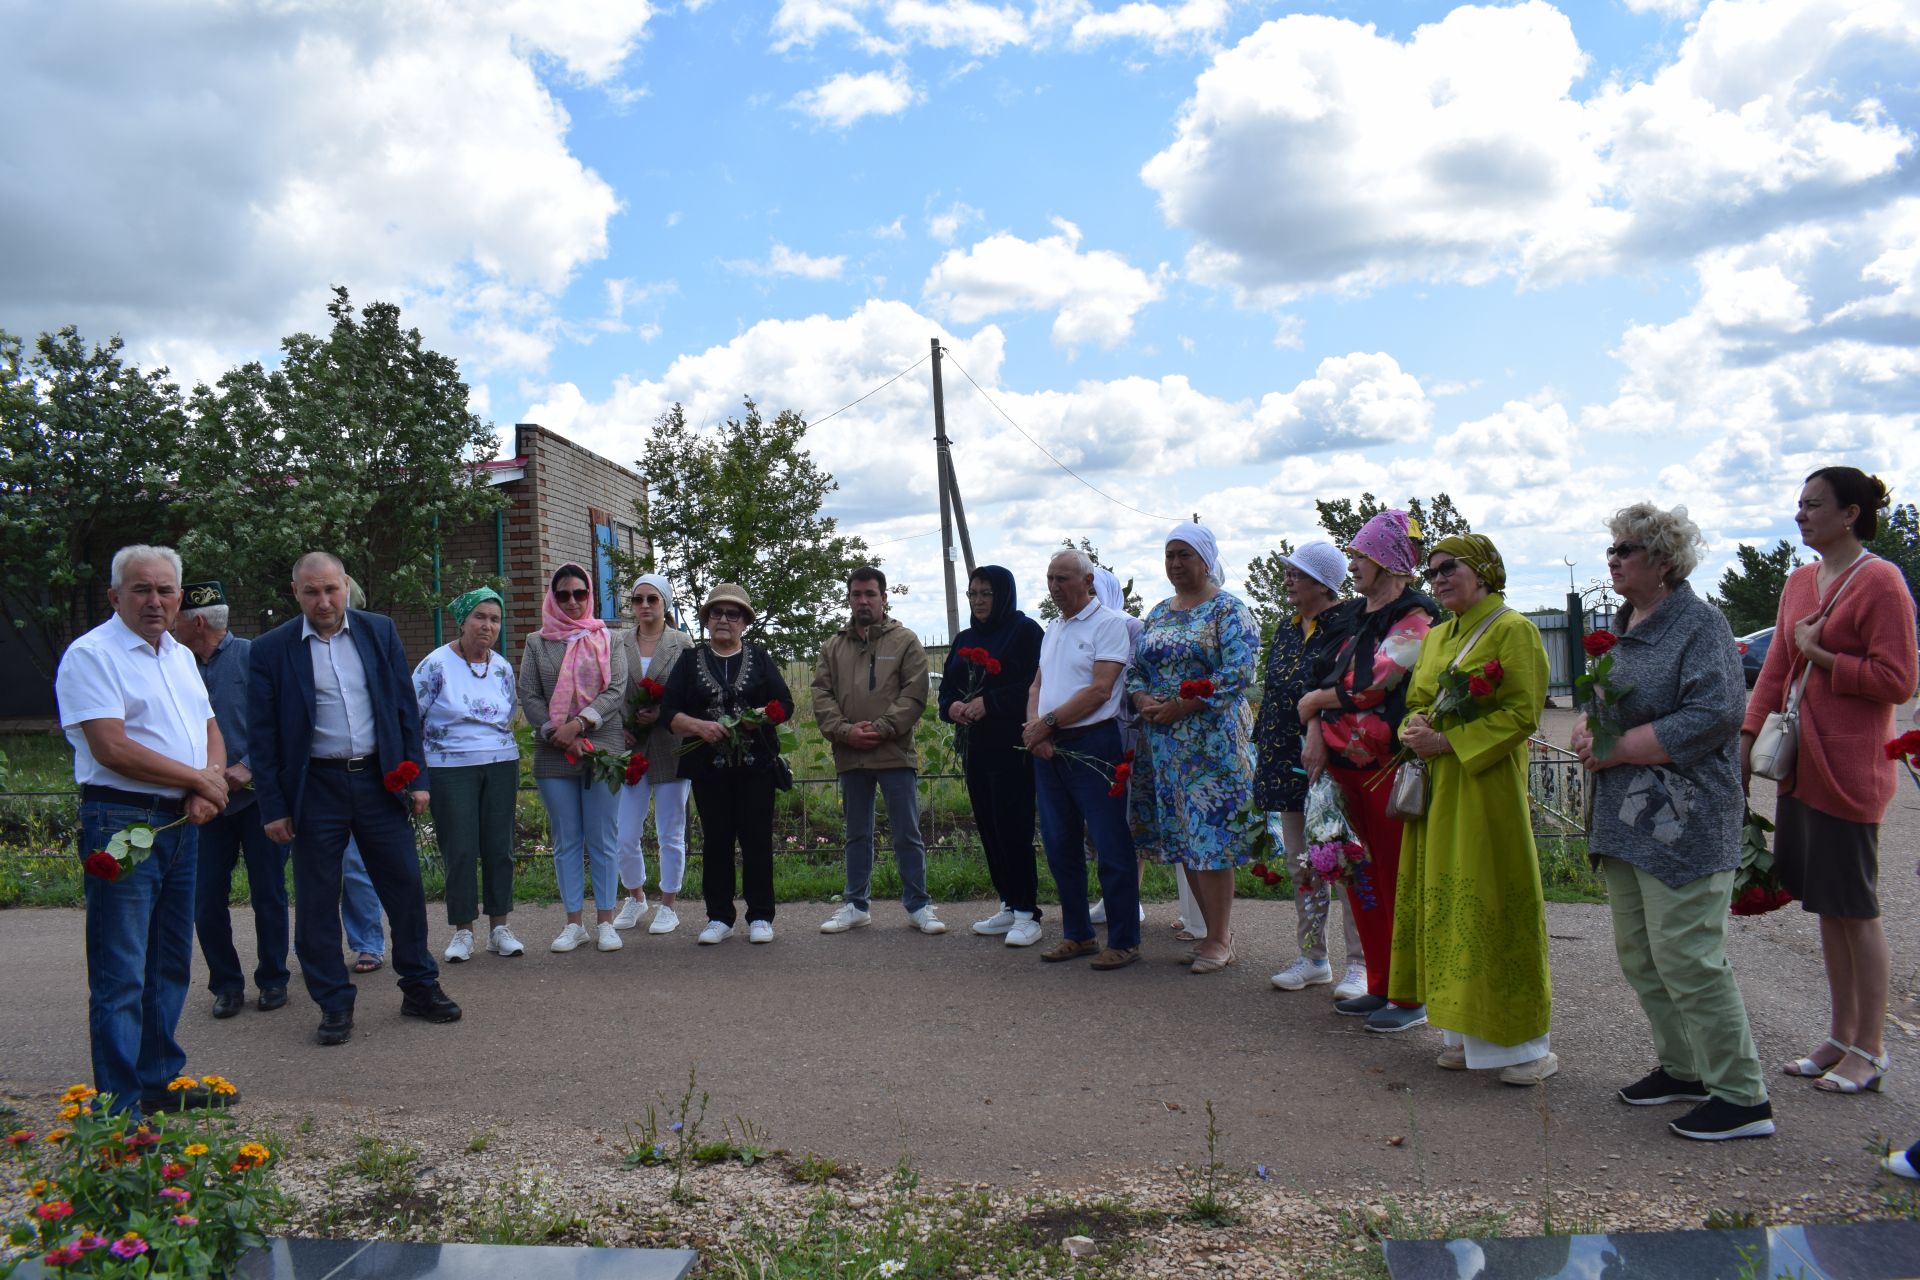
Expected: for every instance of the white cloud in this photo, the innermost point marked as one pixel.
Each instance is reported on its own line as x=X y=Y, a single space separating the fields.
x=848 y=98
x=1352 y=400
x=1164 y=27
x=1665 y=8
x=946 y=225
x=966 y=24
x=782 y=261
x=1095 y=294
x=891 y=231
x=1319 y=153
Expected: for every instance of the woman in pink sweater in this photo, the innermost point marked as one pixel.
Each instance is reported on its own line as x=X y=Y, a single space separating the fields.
x=1826 y=846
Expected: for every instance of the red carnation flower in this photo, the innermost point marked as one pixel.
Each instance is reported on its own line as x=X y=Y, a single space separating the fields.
x=1494 y=671
x=1196 y=688
x=102 y=865
x=1260 y=870
x=1478 y=687
x=1599 y=642
x=636 y=768
x=1117 y=789
x=993 y=666
x=776 y=712
x=654 y=688
x=1272 y=878
x=1907 y=744
x=1122 y=771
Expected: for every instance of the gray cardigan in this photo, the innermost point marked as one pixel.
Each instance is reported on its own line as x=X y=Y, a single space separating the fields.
x=658 y=743
x=1680 y=821
x=539 y=671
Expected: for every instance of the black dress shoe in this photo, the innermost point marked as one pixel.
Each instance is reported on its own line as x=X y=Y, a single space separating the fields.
x=431 y=1003
x=228 y=1003
x=272 y=998
x=335 y=1027
x=195 y=1099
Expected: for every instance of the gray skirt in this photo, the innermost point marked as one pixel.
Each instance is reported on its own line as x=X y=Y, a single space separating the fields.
x=1830 y=864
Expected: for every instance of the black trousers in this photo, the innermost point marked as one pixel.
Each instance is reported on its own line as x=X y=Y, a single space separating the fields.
x=1000 y=785
x=736 y=811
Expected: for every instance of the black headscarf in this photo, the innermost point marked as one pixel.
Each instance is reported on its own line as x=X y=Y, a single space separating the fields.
x=996 y=632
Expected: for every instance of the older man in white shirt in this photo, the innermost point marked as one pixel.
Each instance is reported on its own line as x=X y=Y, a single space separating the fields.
x=146 y=749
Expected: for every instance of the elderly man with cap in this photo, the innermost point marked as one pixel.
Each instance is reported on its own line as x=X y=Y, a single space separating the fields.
x=654 y=648
x=467 y=696
x=1313 y=576
x=146 y=749
x=238 y=833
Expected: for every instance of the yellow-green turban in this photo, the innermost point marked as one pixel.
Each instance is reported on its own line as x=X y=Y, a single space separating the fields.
x=1478 y=553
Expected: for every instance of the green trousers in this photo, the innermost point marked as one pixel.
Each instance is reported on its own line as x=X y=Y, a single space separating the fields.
x=1672 y=945
x=472 y=808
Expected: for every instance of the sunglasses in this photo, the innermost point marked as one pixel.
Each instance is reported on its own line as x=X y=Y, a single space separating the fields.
x=1445 y=569
x=1621 y=550
x=725 y=615
x=580 y=596
x=646 y=599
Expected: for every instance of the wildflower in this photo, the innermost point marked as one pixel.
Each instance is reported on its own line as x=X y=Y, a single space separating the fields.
x=79 y=1093
x=69 y=1111
x=54 y=1210
x=185 y=1220
x=892 y=1267
x=676 y=1126
x=20 y=1137
x=58 y=1135
x=129 y=1245
x=65 y=1256
x=659 y=1152
x=91 y=1241
x=179 y=1083
x=1260 y=1172
x=196 y=1149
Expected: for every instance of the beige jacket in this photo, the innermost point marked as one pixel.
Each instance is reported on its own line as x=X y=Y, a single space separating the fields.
x=657 y=743
x=882 y=679
x=539 y=671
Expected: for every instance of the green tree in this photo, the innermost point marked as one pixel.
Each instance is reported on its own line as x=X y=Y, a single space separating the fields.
x=89 y=449
x=359 y=443
x=1048 y=610
x=1899 y=541
x=1750 y=589
x=1267 y=588
x=742 y=504
x=1437 y=518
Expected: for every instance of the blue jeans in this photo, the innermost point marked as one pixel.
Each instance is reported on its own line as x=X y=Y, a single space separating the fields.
x=223 y=843
x=584 y=822
x=1074 y=805
x=139 y=955
x=336 y=807
x=901 y=788
x=360 y=905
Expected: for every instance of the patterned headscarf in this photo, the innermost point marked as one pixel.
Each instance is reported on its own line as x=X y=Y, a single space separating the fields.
x=1201 y=539
x=464 y=605
x=1478 y=553
x=1388 y=540
x=587 y=666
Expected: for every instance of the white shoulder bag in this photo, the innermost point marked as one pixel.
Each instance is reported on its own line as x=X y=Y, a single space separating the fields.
x=1778 y=742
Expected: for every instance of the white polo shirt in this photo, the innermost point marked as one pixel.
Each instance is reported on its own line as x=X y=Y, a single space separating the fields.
x=1068 y=652
x=110 y=673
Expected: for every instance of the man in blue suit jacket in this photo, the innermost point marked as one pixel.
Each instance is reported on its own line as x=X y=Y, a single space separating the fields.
x=336 y=752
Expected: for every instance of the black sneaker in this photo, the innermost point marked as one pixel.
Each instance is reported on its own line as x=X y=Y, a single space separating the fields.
x=1657 y=1088
x=1393 y=1018
x=1716 y=1119
x=1359 y=1006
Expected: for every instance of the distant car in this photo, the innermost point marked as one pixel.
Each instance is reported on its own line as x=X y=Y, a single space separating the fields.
x=1753 y=652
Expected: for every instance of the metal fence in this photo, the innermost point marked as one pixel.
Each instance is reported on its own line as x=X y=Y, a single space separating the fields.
x=1562 y=669
x=1556 y=789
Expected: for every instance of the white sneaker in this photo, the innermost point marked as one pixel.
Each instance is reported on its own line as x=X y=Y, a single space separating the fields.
x=1098 y=912
x=1354 y=984
x=1025 y=931
x=760 y=931
x=996 y=924
x=847 y=917
x=502 y=942
x=926 y=921
x=715 y=932
x=609 y=939
x=570 y=937
x=461 y=948
x=1303 y=973
x=632 y=908
x=664 y=920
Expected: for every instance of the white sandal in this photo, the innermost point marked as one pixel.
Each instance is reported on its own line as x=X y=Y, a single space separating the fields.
x=1833 y=1082
x=1811 y=1069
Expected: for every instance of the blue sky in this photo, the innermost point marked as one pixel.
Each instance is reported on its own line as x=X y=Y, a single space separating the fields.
x=1218 y=256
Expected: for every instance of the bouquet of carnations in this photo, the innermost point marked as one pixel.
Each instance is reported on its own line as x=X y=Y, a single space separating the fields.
x=980 y=665
x=1756 y=885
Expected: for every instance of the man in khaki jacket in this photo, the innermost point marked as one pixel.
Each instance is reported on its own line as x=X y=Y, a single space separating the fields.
x=869 y=690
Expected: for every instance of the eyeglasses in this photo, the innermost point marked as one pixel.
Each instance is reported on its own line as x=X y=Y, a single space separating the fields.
x=979 y=595
x=1445 y=569
x=1621 y=550
x=580 y=596
x=723 y=614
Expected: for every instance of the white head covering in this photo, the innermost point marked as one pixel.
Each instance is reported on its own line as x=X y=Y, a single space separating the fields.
x=665 y=589
x=1108 y=591
x=1201 y=539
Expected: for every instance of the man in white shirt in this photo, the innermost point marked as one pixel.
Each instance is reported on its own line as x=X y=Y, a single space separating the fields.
x=1073 y=730
x=146 y=749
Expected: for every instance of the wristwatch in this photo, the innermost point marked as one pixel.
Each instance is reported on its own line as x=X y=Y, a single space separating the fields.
x=1050 y=720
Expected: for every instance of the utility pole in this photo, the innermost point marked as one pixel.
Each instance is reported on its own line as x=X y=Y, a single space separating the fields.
x=944 y=459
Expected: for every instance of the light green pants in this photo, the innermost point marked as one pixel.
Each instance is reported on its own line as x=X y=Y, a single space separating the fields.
x=1672 y=945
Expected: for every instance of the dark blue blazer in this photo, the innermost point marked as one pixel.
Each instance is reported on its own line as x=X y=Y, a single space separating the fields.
x=280 y=708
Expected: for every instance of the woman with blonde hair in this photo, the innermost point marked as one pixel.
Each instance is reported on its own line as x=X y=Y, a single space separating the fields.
x=654 y=648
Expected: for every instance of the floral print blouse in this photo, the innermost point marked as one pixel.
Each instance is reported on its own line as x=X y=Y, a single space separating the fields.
x=465 y=716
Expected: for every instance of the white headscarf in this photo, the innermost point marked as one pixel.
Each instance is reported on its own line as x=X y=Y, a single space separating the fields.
x=665 y=589
x=1201 y=539
x=1108 y=591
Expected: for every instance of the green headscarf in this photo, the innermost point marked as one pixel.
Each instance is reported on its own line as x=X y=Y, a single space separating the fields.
x=1478 y=553
x=466 y=604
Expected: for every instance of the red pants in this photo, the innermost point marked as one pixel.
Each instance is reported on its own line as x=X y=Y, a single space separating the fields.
x=1367 y=812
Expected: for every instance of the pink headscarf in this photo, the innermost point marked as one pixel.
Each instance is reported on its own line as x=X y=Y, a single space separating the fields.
x=1388 y=540
x=586 y=641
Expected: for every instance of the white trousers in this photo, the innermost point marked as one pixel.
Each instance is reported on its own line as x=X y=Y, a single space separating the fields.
x=669 y=801
x=1485 y=1055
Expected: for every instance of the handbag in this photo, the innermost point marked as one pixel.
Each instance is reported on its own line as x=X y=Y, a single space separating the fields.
x=1407 y=797
x=1777 y=745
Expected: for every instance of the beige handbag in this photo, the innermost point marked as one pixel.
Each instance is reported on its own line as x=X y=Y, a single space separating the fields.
x=1407 y=797
x=1777 y=744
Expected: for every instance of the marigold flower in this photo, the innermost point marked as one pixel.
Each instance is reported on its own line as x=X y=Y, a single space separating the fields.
x=79 y=1093
x=39 y=1188
x=196 y=1149
x=221 y=1086
x=54 y=1210
x=178 y=1083
x=58 y=1135
x=69 y=1111
x=254 y=1151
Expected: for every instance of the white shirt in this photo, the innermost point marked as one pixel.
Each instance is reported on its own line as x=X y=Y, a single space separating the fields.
x=1068 y=652
x=110 y=673
x=465 y=719
x=342 y=707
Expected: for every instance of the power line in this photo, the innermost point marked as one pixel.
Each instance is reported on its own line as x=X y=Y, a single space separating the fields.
x=876 y=391
x=909 y=538
x=1042 y=448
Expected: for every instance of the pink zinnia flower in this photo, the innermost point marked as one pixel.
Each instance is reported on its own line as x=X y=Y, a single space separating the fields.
x=127 y=1246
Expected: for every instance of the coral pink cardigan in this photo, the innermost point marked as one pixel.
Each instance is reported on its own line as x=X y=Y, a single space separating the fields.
x=1846 y=714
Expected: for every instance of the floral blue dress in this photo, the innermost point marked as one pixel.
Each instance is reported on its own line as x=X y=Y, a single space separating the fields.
x=1192 y=780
